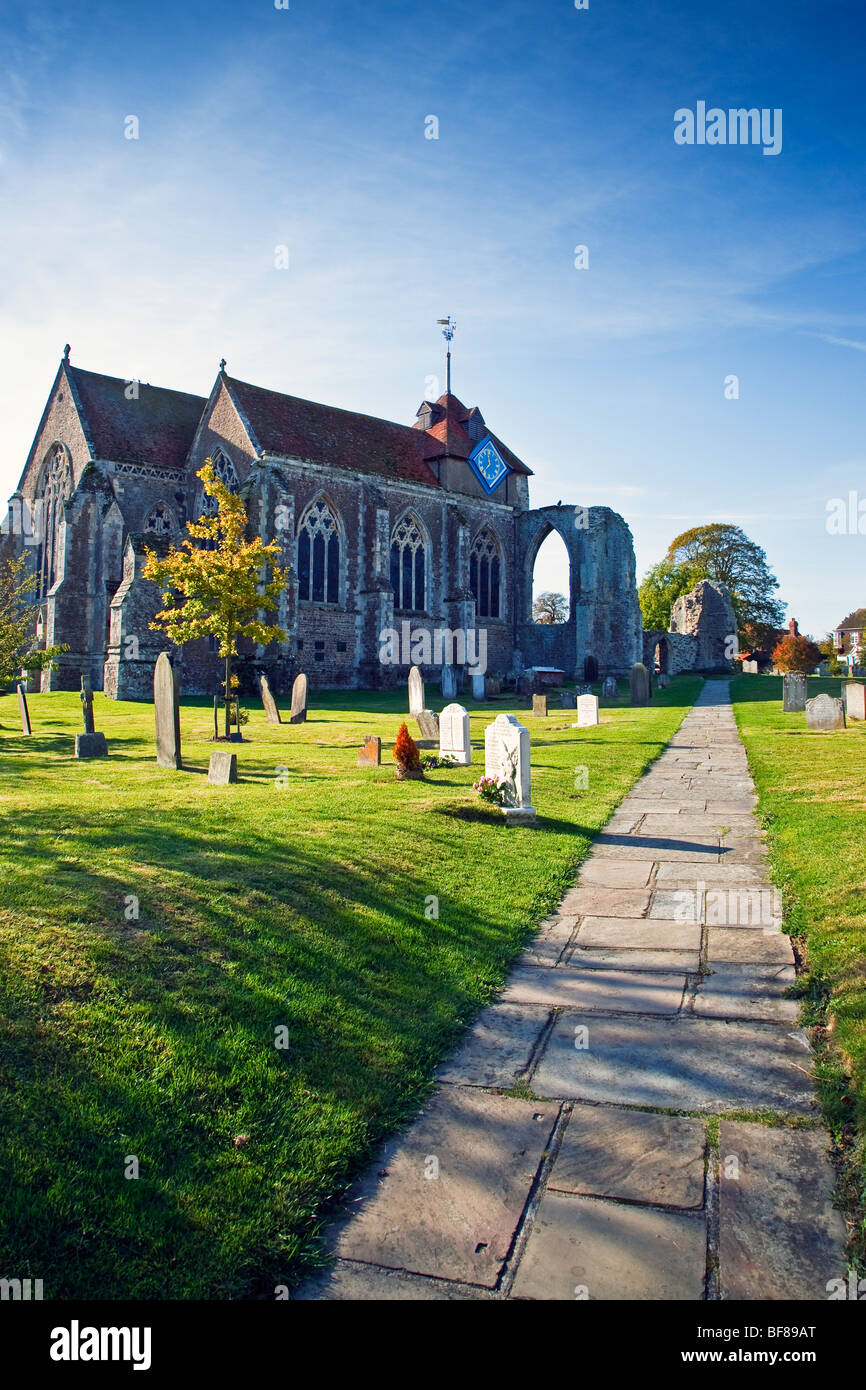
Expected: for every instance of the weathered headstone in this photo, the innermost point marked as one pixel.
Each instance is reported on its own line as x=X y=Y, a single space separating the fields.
x=299 y=700
x=269 y=702
x=87 y=705
x=23 y=711
x=416 y=691
x=569 y=699
x=166 y=704
x=640 y=684
x=479 y=687
x=371 y=754
x=750 y=668
x=590 y=669
x=492 y=688
x=539 y=706
x=90 y=744
x=506 y=755
x=449 y=683
x=608 y=687
x=794 y=692
x=222 y=769
x=454 y=735
x=524 y=687
x=823 y=713
x=517 y=665
x=854 y=699
x=587 y=711
x=428 y=723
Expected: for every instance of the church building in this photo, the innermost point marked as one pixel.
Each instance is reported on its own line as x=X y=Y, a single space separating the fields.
x=382 y=524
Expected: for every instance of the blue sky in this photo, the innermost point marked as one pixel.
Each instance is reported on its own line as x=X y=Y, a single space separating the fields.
x=306 y=128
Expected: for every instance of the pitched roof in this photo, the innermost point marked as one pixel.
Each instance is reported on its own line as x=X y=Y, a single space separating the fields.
x=156 y=428
x=326 y=434
x=855 y=622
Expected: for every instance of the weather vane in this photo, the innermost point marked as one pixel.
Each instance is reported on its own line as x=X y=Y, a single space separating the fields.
x=448 y=326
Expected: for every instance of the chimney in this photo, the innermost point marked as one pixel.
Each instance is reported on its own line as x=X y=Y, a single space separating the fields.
x=793 y=628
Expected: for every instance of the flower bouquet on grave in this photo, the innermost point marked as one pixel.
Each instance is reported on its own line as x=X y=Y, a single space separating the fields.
x=491 y=789
x=407 y=760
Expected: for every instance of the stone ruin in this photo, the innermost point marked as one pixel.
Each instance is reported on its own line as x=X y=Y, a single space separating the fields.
x=703 y=626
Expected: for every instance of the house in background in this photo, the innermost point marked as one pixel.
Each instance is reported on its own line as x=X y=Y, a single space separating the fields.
x=849 y=637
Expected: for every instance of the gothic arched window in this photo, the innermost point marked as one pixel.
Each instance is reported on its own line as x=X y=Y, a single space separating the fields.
x=409 y=565
x=224 y=471
x=319 y=554
x=485 y=568
x=55 y=490
x=160 y=521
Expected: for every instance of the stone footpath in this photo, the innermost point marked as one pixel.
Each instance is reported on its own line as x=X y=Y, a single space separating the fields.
x=571 y=1149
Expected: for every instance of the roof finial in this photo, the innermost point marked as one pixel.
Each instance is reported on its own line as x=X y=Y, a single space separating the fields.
x=448 y=326
x=66 y=352
x=222 y=364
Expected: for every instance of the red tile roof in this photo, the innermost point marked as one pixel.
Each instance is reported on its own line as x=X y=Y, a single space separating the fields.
x=158 y=428
x=341 y=438
x=450 y=418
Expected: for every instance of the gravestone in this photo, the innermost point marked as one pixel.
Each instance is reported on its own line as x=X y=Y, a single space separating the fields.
x=854 y=699
x=824 y=713
x=428 y=723
x=416 y=691
x=479 y=687
x=454 y=735
x=23 y=711
x=492 y=688
x=750 y=668
x=449 y=683
x=90 y=744
x=524 y=687
x=371 y=754
x=517 y=665
x=664 y=680
x=590 y=669
x=222 y=769
x=608 y=687
x=269 y=702
x=166 y=704
x=539 y=706
x=569 y=699
x=640 y=684
x=299 y=700
x=587 y=711
x=794 y=692
x=506 y=755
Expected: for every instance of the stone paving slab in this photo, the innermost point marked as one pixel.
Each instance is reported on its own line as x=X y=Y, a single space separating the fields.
x=636 y=875
x=748 y=991
x=595 y=900
x=732 y=944
x=713 y=875
x=639 y=933
x=347 y=1280
x=781 y=1237
x=629 y=958
x=498 y=1048
x=459 y=1225
x=611 y=1252
x=691 y=852
x=677 y=1064
x=632 y=1155
x=620 y=991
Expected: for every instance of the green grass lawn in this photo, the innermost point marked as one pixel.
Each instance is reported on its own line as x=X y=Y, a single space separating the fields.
x=260 y=906
x=812 y=791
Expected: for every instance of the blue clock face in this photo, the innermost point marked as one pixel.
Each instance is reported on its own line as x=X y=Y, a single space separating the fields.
x=488 y=464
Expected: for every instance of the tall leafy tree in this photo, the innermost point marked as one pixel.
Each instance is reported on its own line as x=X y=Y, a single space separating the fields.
x=550 y=608
x=725 y=553
x=660 y=588
x=16 y=614
x=797 y=653
x=215 y=588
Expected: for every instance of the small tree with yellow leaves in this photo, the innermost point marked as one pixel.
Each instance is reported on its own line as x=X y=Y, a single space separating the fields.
x=216 y=589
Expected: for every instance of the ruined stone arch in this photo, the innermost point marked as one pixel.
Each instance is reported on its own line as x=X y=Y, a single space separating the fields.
x=545 y=529
x=409 y=558
x=321 y=552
